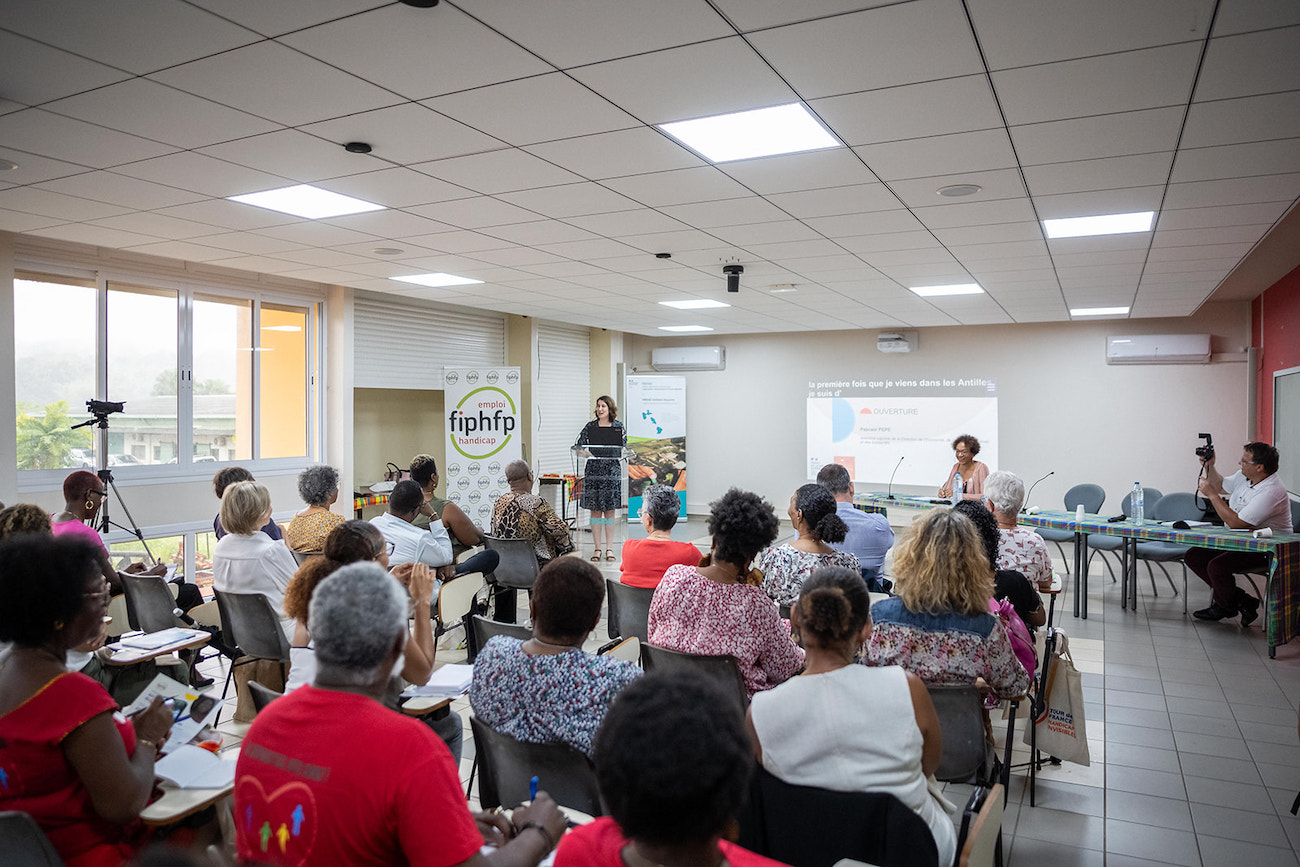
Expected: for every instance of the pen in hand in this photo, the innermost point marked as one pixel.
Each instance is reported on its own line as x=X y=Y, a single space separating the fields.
x=532 y=789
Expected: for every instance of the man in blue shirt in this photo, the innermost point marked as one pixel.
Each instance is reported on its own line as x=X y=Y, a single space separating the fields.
x=870 y=535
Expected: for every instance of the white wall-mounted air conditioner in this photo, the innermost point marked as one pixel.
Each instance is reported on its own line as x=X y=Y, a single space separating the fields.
x=1159 y=349
x=677 y=358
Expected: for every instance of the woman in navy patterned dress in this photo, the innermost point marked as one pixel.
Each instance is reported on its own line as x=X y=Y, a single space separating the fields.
x=602 y=483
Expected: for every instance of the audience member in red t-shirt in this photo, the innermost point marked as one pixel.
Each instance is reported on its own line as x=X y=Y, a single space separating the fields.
x=329 y=776
x=646 y=560
x=673 y=765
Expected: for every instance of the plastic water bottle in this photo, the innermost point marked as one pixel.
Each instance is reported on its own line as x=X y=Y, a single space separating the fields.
x=1135 y=503
x=956 y=488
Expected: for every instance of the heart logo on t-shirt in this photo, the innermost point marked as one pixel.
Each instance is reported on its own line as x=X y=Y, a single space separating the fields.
x=279 y=827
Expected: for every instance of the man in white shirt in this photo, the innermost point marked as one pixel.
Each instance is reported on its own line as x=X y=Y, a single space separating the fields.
x=1256 y=498
x=869 y=536
x=432 y=547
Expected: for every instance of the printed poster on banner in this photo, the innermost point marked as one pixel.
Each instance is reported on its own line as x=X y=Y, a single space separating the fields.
x=483 y=435
x=655 y=418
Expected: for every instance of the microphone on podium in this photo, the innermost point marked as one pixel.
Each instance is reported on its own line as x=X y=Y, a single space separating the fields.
x=1025 y=504
x=891 y=479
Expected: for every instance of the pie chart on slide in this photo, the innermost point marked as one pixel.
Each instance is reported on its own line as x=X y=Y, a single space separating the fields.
x=843 y=419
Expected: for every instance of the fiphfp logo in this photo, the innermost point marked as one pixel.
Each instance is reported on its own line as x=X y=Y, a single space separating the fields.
x=492 y=377
x=483 y=423
x=452 y=377
x=471 y=377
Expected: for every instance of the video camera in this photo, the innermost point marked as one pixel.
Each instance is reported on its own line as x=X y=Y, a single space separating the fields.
x=1206 y=452
x=105 y=407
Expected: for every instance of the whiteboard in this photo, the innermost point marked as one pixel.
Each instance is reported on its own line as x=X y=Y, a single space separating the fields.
x=1286 y=425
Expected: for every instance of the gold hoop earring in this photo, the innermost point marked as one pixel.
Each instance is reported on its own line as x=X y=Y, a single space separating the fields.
x=89 y=505
x=58 y=624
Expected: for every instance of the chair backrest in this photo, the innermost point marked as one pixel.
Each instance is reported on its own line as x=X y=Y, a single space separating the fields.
x=262 y=695
x=1178 y=506
x=981 y=827
x=121 y=615
x=304 y=556
x=961 y=721
x=629 y=610
x=149 y=604
x=507 y=766
x=1295 y=516
x=1091 y=497
x=485 y=629
x=1150 y=496
x=518 y=567
x=723 y=669
x=23 y=842
x=249 y=621
x=628 y=650
x=809 y=827
x=456 y=597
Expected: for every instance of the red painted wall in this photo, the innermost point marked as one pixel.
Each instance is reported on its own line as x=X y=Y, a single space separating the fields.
x=1275 y=328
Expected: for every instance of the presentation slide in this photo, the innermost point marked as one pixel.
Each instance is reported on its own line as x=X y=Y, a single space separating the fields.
x=868 y=425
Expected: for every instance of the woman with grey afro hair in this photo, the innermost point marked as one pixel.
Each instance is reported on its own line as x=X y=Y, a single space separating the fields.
x=318 y=486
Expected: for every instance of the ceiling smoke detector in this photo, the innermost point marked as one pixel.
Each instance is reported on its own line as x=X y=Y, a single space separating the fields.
x=387 y=251
x=956 y=191
x=7 y=165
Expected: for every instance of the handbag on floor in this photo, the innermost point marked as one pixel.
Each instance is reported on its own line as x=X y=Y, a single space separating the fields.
x=1062 y=729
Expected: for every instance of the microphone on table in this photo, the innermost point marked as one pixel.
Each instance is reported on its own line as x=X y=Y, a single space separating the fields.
x=891 y=478
x=1024 y=505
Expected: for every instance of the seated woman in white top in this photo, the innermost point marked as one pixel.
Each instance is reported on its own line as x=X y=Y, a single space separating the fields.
x=846 y=727
x=246 y=560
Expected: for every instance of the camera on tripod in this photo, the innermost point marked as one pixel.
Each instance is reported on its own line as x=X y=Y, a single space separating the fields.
x=1206 y=452
x=105 y=407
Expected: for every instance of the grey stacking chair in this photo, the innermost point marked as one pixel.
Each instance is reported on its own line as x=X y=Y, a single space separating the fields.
x=1091 y=497
x=1101 y=544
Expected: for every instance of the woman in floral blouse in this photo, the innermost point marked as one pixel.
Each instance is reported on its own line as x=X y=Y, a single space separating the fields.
x=786 y=567
x=548 y=689
x=939 y=626
x=718 y=609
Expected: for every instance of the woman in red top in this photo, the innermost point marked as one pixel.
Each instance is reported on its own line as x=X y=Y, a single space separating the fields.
x=673 y=765
x=80 y=769
x=646 y=560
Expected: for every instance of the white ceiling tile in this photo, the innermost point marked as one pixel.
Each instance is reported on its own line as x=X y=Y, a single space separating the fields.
x=979 y=151
x=848 y=225
x=992 y=233
x=585 y=31
x=564 y=269
x=1086 y=138
x=835 y=167
x=1115 y=257
x=926 y=275
x=1201 y=251
x=975 y=213
x=305 y=89
x=670 y=85
x=930 y=256
x=887 y=241
x=34 y=73
x=332 y=276
x=820 y=261
x=1239 y=16
x=1200 y=267
x=315 y=233
x=46 y=203
x=671 y=242
x=766 y=233
x=229 y=215
x=540 y=232
x=282 y=16
x=786 y=253
x=15 y=221
x=260 y=264
x=1240 y=191
x=1103 y=174
x=418 y=53
x=459 y=242
x=475 y=213
x=614 y=154
x=1237 y=161
x=99 y=236
x=628 y=224
x=7 y=106
x=729 y=212
x=1026 y=32
x=33 y=168
x=1249 y=64
x=389 y=224
x=185 y=250
x=1127 y=200
x=396 y=188
x=247 y=242
x=911 y=111
x=1150 y=78
x=600 y=248
x=294 y=155
x=158 y=225
x=1224 y=216
x=498 y=171
x=570 y=200
x=532 y=110
x=1252 y=118
x=120 y=190
x=322 y=258
x=856 y=199
x=970 y=254
x=678 y=187
x=136 y=35
x=63 y=138
x=1100 y=243
x=406 y=133
x=203 y=174
x=999 y=184
x=898 y=44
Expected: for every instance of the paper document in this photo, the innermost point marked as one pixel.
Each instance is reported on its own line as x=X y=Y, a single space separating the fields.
x=195 y=768
x=155 y=640
x=187 y=725
x=449 y=681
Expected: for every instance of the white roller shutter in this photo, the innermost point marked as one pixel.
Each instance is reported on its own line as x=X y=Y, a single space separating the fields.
x=563 y=394
x=402 y=344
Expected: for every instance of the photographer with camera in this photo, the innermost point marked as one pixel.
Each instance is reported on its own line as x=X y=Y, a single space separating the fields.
x=1256 y=499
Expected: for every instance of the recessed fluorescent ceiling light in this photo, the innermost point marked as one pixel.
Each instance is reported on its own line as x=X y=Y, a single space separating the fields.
x=1103 y=224
x=436 y=280
x=694 y=304
x=1098 y=311
x=684 y=328
x=307 y=201
x=953 y=289
x=784 y=129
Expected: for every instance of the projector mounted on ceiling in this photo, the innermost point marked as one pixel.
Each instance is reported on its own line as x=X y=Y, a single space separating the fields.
x=896 y=341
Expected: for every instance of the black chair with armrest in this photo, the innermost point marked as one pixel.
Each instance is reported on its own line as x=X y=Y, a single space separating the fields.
x=629 y=610
x=252 y=627
x=23 y=842
x=508 y=766
x=722 y=669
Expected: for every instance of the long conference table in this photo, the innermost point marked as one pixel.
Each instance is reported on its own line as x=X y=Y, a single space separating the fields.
x=1282 y=611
